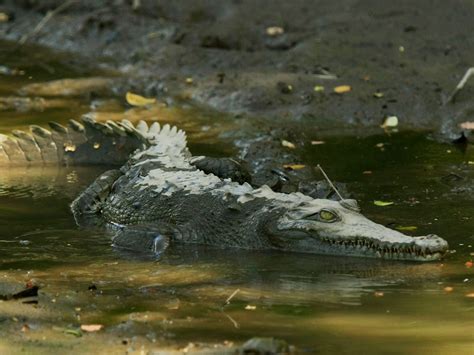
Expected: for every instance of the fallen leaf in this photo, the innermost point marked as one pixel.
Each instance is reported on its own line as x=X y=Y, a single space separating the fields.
x=75 y=332
x=318 y=88
x=406 y=228
x=274 y=31
x=448 y=289
x=250 y=307
x=378 y=94
x=366 y=78
x=294 y=166
x=137 y=100
x=342 y=89
x=383 y=203
x=189 y=80
x=390 y=122
x=4 y=17
x=467 y=125
x=378 y=294
x=367 y=172
x=468 y=264
x=470 y=295
x=470 y=162
x=25 y=328
x=379 y=145
x=401 y=49
x=91 y=327
x=288 y=144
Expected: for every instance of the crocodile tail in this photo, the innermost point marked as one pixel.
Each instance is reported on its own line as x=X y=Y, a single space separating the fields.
x=78 y=143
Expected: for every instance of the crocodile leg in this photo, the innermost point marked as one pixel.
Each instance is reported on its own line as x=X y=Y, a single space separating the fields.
x=88 y=204
x=225 y=168
x=143 y=238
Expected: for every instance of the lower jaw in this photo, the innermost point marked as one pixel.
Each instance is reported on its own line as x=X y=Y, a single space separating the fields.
x=390 y=256
x=398 y=256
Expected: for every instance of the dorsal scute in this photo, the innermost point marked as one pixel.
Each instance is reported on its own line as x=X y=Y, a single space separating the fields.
x=165 y=141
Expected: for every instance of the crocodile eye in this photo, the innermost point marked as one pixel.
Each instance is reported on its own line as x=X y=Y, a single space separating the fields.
x=324 y=216
x=327 y=216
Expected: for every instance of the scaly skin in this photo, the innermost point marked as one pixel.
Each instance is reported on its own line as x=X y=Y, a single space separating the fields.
x=159 y=189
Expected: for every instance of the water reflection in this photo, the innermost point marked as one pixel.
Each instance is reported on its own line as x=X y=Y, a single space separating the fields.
x=38 y=182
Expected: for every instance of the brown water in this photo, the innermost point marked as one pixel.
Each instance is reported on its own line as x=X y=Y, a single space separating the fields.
x=319 y=304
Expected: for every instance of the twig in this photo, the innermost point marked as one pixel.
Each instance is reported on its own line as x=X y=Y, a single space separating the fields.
x=231 y=296
x=234 y=322
x=45 y=20
x=329 y=181
x=460 y=86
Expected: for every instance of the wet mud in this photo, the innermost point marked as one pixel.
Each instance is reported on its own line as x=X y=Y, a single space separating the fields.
x=265 y=59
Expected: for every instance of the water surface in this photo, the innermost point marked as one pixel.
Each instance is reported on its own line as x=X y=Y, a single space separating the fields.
x=320 y=304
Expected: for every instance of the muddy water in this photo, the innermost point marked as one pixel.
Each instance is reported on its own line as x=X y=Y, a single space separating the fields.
x=319 y=304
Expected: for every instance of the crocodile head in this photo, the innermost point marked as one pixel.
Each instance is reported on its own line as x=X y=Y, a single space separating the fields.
x=331 y=227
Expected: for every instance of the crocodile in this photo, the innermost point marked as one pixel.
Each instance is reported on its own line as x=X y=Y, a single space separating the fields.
x=162 y=195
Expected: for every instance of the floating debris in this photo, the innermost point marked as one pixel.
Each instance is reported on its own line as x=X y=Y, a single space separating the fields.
x=390 y=122
x=383 y=203
x=467 y=125
x=274 y=31
x=137 y=100
x=294 y=166
x=92 y=327
x=288 y=144
x=342 y=89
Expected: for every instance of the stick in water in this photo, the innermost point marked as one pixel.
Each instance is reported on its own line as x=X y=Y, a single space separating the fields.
x=330 y=182
x=461 y=84
x=231 y=296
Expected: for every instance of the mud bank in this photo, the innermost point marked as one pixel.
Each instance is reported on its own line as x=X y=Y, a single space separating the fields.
x=224 y=54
